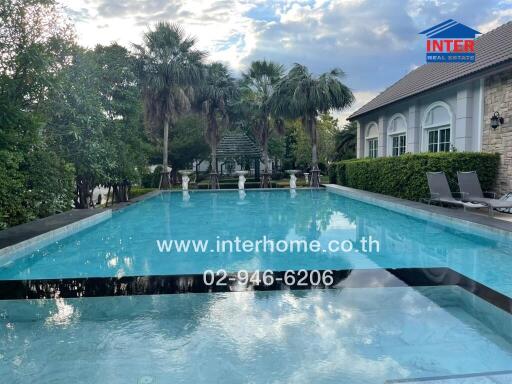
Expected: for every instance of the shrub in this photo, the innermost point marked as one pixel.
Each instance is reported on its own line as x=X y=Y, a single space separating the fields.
x=404 y=176
x=12 y=187
x=33 y=185
x=50 y=183
x=152 y=180
x=137 y=191
x=331 y=171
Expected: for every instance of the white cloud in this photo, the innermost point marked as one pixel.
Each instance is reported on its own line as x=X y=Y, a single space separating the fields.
x=362 y=97
x=375 y=43
x=221 y=28
x=500 y=17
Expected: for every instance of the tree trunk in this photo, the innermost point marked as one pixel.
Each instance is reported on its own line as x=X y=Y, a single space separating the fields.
x=214 y=157
x=315 y=171
x=214 y=176
x=115 y=193
x=120 y=192
x=83 y=194
x=108 y=195
x=165 y=179
x=265 y=147
x=257 y=169
x=265 y=180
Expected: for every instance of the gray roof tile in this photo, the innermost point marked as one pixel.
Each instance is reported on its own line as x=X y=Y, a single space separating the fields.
x=237 y=144
x=492 y=48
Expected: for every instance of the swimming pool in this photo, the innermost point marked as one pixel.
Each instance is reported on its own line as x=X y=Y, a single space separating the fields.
x=321 y=336
x=402 y=313
x=126 y=244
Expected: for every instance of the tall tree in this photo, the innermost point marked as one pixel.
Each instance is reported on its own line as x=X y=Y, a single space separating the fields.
x=77 y=124
x=124 y=130
x=300 y=94
x=345 y=142
x=187 y=142
x=326 y=127
x=168 y=66
x=258 y=86
x=34 y=45
x=217 y=90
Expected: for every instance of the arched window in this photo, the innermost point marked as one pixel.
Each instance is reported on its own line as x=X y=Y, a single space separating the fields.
x=372 y=140
x=437 y=128
x=397 y=132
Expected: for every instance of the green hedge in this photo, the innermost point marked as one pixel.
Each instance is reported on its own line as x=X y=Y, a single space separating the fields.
x=33 y=185
x=138 y=191
x=405 y=176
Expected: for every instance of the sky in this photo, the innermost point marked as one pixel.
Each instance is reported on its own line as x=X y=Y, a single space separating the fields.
x=375 y=42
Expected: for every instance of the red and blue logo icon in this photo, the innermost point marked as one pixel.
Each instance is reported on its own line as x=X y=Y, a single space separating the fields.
x=450 y=42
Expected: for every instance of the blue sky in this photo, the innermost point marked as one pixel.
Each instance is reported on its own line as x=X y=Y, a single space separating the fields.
x=374 y=42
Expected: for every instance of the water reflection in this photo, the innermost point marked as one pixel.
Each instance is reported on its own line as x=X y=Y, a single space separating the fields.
x=319 y=336
x=62 y=315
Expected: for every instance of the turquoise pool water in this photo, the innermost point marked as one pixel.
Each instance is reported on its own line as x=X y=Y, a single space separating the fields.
x=351 y=335
x=126 y=243
x=313 y=336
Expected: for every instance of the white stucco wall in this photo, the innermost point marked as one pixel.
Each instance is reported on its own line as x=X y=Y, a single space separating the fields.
x=464 y=102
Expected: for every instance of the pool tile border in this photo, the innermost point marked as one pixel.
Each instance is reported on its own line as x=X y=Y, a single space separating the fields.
x=12 y=252
x=194 y=283
x=24 y=247
x=442 y=379
x=460 y=220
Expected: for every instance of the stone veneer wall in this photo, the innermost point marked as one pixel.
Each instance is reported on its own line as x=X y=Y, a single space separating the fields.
x=498 y=97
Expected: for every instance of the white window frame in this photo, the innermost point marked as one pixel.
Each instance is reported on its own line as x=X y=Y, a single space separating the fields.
x=373 y=152
x=368 y=138
x=398 y=147
x=397 y=133
x=426 y=128
x=438 y=143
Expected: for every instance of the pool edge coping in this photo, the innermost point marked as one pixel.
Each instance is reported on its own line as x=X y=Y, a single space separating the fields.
x=45 y=238
x=455 y=219
x=22 y=248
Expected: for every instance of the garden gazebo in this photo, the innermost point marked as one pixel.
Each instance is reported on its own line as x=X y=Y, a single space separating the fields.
x=236 y=146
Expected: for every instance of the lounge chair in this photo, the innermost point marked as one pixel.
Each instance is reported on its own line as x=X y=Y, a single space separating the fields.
x=471 y=190
x=440 y=191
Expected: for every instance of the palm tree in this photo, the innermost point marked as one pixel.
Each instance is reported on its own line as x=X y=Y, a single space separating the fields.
x=302 y=95
x=217 y=90
x=168 y=67
x=258 y=86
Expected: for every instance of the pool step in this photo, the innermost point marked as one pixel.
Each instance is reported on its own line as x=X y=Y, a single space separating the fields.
x=496 y=377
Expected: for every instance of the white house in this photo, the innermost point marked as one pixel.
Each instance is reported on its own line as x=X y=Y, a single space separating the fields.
x=446 y=107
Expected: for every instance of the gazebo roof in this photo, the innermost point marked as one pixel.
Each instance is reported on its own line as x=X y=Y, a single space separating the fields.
x=237 y=144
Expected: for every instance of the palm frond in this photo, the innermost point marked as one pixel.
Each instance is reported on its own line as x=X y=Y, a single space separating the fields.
x=300 y=93
x=168 y=68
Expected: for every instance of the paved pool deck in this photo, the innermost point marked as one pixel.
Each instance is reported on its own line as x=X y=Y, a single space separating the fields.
x=22 y=232
x=453 y=216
